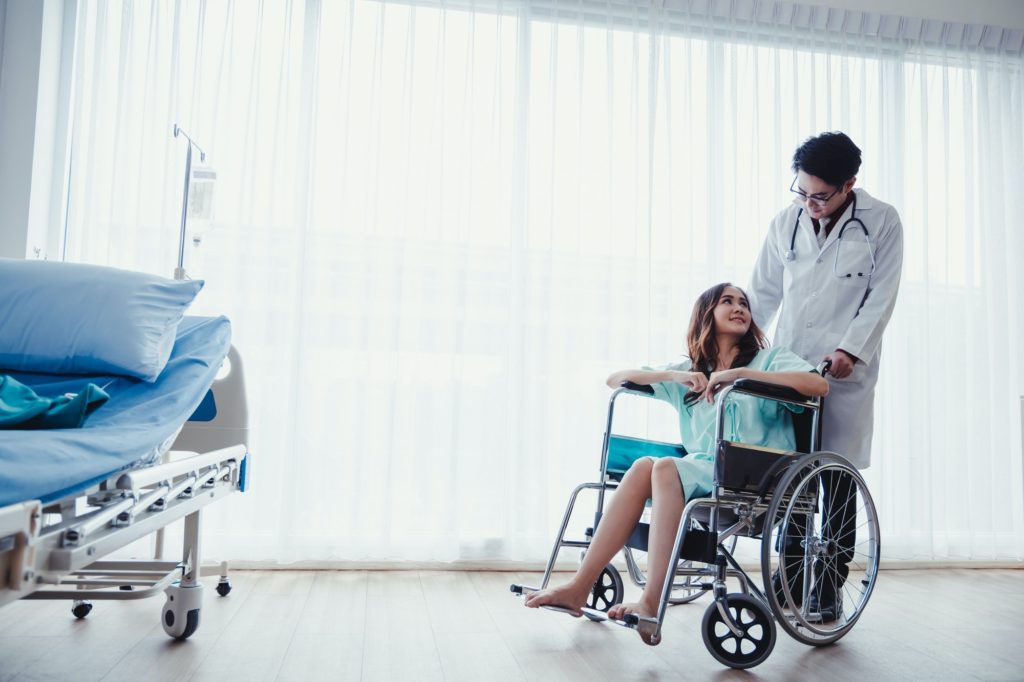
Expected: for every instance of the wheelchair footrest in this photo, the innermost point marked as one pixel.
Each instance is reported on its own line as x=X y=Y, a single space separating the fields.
x=631 y=621
x=559 y=609
x=595 y=615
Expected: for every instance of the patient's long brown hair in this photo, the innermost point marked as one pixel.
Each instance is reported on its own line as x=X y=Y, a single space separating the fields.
x=702 y=342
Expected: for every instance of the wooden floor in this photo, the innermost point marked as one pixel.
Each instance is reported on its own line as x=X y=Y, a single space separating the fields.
x=436 y=625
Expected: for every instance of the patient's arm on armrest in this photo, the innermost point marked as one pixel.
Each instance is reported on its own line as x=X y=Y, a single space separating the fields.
x=639 y=388
x=769 y=390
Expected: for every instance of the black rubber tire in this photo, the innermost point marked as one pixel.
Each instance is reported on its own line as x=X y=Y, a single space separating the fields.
x=191 y=624
x=224 y=588
x=753 y=618
x=80 y=611
x=608 y=589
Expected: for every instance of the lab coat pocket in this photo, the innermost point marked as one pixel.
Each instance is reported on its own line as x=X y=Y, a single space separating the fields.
x=853 y=263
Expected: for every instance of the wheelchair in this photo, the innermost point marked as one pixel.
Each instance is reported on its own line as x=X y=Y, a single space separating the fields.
x=810 y=511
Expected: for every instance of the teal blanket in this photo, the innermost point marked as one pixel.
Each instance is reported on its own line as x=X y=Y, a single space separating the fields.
x=22 y=408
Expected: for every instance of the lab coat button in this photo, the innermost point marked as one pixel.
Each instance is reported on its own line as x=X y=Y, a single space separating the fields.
x=818 y=261
x=810 y=324
x=814 y=294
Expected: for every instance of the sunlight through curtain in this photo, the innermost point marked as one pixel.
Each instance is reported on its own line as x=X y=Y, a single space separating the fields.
x=439 y=226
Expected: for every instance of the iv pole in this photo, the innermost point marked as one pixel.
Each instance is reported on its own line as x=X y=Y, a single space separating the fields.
x=179 y=272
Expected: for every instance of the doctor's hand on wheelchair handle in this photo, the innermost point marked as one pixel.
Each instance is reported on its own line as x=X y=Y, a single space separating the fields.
x=841 y=363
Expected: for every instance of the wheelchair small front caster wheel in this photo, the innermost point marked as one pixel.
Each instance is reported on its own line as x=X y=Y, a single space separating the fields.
x=81 y=609
x=757 y=632
x=608 y=590
x=224 y=588
x=180 y=615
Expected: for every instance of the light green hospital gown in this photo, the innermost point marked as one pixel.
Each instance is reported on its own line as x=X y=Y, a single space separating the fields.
x=748 y=420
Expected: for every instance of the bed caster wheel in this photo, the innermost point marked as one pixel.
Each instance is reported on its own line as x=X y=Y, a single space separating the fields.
x=81 y=609
x=180 y=615
x=757 y=632
x=224 y=588
x=607 y=591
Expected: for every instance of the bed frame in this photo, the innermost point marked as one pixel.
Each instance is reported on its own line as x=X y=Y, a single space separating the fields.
x=56 y=550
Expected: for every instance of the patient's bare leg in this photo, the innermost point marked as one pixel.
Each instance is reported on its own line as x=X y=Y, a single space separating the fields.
x=624 y=510
x=667 y=498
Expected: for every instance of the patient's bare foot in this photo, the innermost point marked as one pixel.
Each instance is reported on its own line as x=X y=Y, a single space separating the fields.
x=640 y=608
x=566 y=596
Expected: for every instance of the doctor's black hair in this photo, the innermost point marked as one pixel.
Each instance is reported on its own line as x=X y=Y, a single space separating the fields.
x=833 y=157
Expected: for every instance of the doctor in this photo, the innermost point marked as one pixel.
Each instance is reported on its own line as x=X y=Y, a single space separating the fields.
x=830 y=266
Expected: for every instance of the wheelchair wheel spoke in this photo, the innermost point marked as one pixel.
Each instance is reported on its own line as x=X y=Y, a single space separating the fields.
x=822 y=505
x=607 y=590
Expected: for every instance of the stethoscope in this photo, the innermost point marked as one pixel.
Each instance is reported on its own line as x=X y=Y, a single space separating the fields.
x=853 y=219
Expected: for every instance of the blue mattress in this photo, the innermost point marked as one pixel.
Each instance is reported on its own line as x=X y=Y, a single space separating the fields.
x=50 y=464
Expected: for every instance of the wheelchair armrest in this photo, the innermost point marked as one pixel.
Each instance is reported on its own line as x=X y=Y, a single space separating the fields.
x=637 y=388
x=764 y=389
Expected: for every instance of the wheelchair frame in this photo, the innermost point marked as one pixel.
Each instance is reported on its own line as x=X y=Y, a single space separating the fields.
x=790 y=505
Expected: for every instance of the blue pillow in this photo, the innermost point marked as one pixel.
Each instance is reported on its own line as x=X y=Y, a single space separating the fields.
x=68 y=318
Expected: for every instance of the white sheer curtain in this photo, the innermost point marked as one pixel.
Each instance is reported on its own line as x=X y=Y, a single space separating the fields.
x=440 y=225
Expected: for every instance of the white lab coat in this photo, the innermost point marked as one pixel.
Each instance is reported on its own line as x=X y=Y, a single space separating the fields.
x=821 y=312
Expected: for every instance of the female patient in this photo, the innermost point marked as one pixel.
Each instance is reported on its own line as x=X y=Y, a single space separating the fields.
x=724 y=345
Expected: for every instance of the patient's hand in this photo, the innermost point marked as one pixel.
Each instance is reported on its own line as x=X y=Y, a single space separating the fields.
x=695 y=380
x=719 y=380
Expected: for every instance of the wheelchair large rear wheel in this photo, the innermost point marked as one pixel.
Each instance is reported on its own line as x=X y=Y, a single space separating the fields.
x=820 y=549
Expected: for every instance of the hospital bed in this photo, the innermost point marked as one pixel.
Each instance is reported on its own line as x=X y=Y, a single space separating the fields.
x=154 y=454
x=779 y=499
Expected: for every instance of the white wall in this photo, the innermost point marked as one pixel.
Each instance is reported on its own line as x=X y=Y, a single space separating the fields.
x=19 y=74
x=30 y=110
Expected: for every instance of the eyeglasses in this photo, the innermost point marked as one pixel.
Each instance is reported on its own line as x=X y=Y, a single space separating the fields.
x=816 y=199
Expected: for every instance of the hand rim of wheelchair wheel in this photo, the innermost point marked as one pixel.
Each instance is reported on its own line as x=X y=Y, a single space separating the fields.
x=829 y=631
x=797 y=621
x=739 y=605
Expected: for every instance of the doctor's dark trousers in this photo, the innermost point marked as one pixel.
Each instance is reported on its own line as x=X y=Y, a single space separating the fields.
x=839 y=517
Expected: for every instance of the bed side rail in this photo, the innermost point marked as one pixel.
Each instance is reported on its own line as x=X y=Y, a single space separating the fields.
x=222 y=419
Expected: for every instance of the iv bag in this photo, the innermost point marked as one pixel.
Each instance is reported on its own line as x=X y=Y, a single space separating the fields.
x=200 y=194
